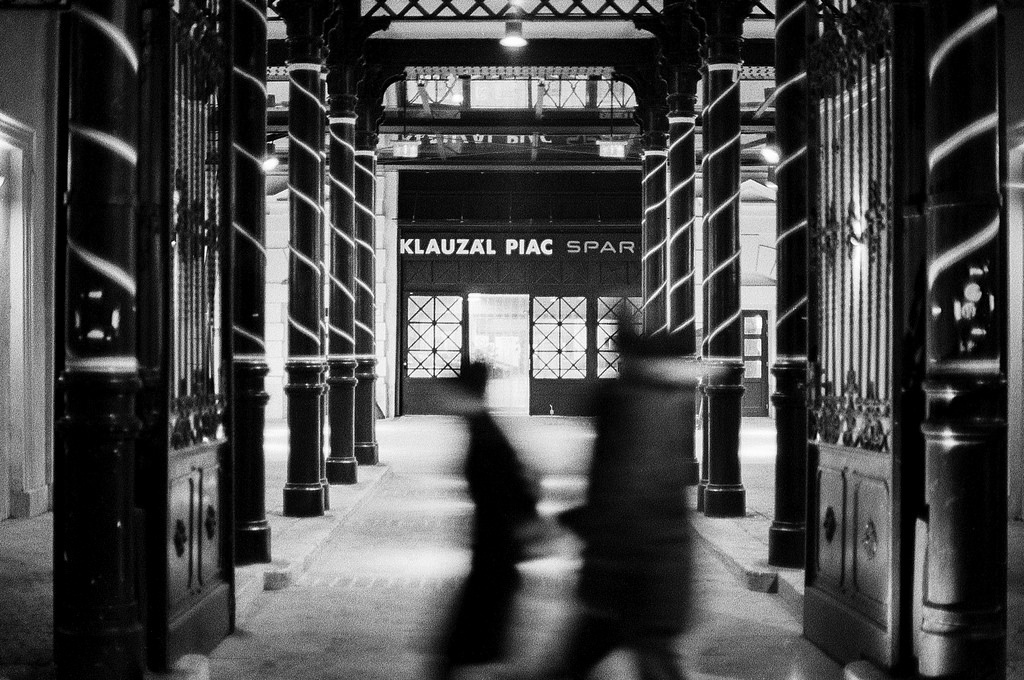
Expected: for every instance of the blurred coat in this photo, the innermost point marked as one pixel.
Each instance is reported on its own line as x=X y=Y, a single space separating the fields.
x=636 y=557
x=505 y=499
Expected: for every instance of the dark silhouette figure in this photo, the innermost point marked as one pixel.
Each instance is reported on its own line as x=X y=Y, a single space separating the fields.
x=506 y=506
x=634 y=578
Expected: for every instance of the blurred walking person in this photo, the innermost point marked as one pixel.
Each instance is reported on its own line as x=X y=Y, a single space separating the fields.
x=505 y=501
x=634 y=580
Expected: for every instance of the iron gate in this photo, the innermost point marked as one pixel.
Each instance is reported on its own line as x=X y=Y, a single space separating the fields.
x=184 y=459
x=857 y=597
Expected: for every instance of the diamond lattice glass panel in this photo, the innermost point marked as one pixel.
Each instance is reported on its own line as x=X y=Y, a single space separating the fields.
x=609 y=311
x=434 y=336
x=560 y=337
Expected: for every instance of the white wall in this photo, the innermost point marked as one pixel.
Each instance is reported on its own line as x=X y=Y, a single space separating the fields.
x=28 y=97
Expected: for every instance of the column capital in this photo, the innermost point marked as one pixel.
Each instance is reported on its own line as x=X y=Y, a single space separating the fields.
x=724 y=28
x=304 y=20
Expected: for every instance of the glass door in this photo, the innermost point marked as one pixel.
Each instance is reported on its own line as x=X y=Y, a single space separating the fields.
x=499 y=334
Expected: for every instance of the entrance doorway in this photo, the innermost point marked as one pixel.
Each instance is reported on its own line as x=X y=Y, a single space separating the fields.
x=499 y=334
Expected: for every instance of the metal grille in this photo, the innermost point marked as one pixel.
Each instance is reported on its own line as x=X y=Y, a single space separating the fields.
x=559 y=327
x=852 y=231
x=198 y=53
x=533 y=9
x=494 y=9
x=434 y=336
x=610 y=310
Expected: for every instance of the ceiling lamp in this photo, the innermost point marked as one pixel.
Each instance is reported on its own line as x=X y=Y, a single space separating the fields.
x=270 y=161
x=770 y=152
x=514 y=29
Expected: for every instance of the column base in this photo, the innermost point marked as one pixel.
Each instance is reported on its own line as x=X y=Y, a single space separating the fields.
x=326 y=486
x=725 y=501
x=962 y=654
x=786 y=545
x=252 y=543
x=342 y=470
x=366 y=453
x=701 y=488
x=303 y=500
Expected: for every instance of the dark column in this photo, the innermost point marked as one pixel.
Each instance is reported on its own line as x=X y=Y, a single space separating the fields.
x=341 y=465
x=653 y=229
x=97 y=628
x=324 y=312
x=724 y=495
x=702 y=394
x=963 y=622
x=681 y=316
x=252 y=533
x=304 y=489
x=366 y=356
x=786 y=535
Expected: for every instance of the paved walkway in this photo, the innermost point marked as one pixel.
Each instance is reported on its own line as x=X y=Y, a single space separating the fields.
x=361 y=592
x=370 y=606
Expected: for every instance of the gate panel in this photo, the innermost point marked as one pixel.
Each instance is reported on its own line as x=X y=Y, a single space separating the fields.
x=185 y=459
x=857 y=601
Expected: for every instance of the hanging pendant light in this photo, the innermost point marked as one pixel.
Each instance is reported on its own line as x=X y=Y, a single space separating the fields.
x=514 y=29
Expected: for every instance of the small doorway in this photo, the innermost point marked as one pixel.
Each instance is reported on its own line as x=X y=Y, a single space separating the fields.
x=499 y=334
x=755 y=363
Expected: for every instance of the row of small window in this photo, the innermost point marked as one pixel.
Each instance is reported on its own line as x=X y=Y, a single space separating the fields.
x=558 y=332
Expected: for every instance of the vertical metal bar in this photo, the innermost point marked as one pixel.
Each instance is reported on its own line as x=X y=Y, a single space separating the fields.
x=97 y=627
x=963 y=627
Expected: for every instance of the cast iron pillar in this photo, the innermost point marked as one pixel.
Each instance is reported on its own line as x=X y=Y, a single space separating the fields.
x=305 y=366
x=786 y=535
x=341 y=464
x=702 y=395
x=252 y=532
x=724 y=495
x=653 y=227
x=963 y=617
x=98 y=632
x=366 y=349
x=680 y=37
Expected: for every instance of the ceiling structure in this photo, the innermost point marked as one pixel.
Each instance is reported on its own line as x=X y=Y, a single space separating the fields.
x=567 y=39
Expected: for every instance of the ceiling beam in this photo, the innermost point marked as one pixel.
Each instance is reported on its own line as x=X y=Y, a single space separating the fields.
x=540 y=52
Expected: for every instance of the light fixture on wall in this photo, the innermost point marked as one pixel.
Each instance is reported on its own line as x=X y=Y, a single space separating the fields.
x=270 y=160
x=770 y=151
x=406 y=148
x=514 y=28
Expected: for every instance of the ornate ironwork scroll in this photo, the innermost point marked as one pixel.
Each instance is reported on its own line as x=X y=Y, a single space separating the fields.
x=852 y=236
x=197 y=397
x=861 y=316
